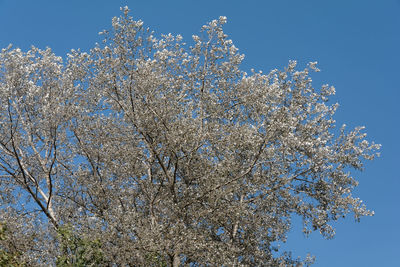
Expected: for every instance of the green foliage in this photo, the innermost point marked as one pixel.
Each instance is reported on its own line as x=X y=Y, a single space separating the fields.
x=78 y=251
x=155 y=259
x=7 y=259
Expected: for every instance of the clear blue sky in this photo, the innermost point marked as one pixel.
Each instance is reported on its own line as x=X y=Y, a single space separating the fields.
x=357 y=45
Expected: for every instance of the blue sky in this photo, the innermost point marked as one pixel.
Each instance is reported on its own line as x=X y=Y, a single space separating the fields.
x=357 y=45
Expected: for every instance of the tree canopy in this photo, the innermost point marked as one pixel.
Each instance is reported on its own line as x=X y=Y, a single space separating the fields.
x=147 y=151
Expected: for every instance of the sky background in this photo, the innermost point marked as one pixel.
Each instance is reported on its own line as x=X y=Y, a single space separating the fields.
x=356 y=43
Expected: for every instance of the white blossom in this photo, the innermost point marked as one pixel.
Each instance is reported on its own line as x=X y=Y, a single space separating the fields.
x=153 y=152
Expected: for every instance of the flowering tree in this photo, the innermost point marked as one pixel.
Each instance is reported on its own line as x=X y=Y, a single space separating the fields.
x=153 y=153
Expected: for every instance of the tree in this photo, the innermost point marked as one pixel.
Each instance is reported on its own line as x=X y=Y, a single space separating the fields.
x=147 y=152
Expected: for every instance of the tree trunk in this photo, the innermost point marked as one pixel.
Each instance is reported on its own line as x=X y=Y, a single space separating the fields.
x=176 y=260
